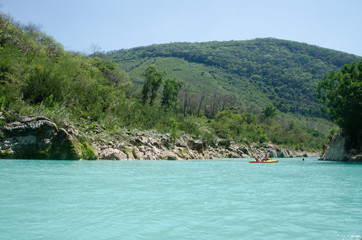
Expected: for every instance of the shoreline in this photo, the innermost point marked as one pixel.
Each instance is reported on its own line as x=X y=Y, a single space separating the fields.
x=36 y=137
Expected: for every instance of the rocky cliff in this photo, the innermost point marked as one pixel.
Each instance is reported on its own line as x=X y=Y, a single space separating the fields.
x=344 y=147
x=35 y=137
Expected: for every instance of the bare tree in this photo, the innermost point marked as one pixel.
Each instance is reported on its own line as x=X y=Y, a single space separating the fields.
x=31 y=28
x=95 y=50
x=227 y=101
x=201 y=102
x=185 y=99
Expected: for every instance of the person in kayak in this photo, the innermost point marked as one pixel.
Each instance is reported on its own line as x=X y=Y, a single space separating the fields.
x=265 y=158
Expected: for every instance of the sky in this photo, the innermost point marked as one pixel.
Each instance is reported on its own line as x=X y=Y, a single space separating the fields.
x=122 y=24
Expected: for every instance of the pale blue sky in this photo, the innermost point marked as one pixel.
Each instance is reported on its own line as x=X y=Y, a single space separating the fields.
x=118 y=24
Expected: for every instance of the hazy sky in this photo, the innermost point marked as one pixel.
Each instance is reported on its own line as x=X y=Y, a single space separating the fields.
x=117 y=24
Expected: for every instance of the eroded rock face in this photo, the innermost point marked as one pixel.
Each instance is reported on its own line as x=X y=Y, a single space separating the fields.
x=197 y=145
x=112 y=154
x=34 y=137
x=344 y=147
x=336 y=150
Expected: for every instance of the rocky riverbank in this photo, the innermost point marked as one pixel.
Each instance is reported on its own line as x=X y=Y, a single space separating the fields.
x=35 y=137
x=151 y=145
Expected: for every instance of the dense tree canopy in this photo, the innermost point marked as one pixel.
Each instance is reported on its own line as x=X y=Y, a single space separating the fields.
x=341 y=93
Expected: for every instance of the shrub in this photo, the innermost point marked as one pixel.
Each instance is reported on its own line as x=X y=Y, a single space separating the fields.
x=225 y=143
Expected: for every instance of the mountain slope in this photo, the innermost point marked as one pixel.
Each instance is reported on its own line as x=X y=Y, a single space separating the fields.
x=257 y=71
x=95 y=101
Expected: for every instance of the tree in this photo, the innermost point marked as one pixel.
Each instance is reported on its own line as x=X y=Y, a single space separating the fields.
x=95 y=50
x=170 y=93
x=341 y=95
x=154 y=80
x=186 y=99
x=269 y=111
x=201 y=103
x=110 y=71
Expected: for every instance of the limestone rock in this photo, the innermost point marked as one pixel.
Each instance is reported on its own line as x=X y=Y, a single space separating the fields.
x=345 y=147
x=168 y=155
x=112 y=154
x=137 y=153
x=129 y=154
x=197 y=145
x=282 y=153
x=336 y=150
x=35 y=137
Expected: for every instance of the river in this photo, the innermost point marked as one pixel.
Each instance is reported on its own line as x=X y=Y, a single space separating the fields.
x=202 y=199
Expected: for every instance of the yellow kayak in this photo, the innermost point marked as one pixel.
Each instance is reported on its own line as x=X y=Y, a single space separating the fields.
x=267 y=161
x=271 y=161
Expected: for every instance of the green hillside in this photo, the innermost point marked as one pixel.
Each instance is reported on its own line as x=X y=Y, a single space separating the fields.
x=256 y=71
x=226 y=96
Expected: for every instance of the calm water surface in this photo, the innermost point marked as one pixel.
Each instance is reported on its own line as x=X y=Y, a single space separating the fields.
x=212 y=199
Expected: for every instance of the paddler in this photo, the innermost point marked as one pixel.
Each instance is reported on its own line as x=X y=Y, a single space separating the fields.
x=324 y=148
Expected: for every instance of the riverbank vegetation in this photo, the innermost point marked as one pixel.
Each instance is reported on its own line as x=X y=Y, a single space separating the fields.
x=38 y=77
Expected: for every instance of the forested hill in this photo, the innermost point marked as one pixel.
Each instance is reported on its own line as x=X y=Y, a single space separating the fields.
x=257 y=71
x=95 y=100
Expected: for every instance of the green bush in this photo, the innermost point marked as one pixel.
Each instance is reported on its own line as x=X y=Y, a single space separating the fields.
x=225 y=143
x=42 y=83
x=209 y=138
x=88 y=153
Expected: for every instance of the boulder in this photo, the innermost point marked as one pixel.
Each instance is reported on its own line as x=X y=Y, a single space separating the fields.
x=35 y=137
x=168 y=155
x=197 y=145
x=137 y=153
x=273 y=153
x=112 y=154
x=282 y=153
x=62 y=146
x=231 y=154
x=139 y=141
x=244 y=151
x=181 y=142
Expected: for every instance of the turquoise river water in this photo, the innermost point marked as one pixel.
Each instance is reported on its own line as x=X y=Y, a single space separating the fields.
x=206 y=199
